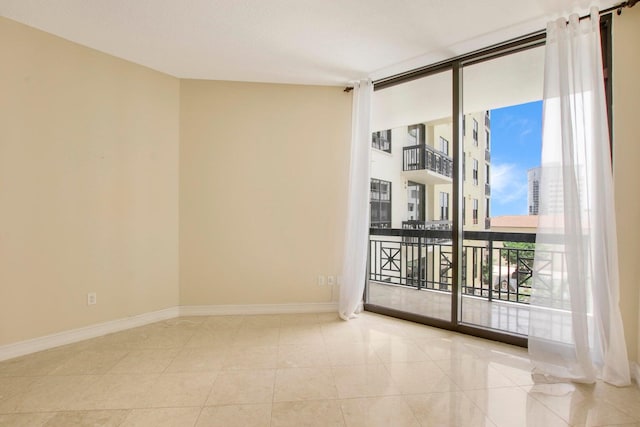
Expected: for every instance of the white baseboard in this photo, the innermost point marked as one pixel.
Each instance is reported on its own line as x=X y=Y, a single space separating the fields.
x=218 y=310
x=46 y=342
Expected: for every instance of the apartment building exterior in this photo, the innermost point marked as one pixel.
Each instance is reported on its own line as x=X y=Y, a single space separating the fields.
x=412 y=175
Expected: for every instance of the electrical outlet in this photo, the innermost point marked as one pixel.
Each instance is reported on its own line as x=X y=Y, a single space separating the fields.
x=321 y=280
x=91 y=298
x=331 y=280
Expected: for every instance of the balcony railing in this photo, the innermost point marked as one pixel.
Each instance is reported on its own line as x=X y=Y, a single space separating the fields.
x=423 y=157
x=495 y=266
x=426 y=225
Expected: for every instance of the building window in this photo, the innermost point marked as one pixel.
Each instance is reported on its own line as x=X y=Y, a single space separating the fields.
x=475 y=132
x=382 y=140
x=475 y=171
x=487 y=120
x=475 y=211
x=464 y=210
x=444 y=206
x=444 y=146
x=380 y=203
x=464 y=125
x=416 y=134
x=464 y=168
x=486 y=174
x=487 y=139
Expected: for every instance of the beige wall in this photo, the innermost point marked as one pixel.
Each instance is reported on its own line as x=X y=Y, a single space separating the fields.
x=263 y=172
x=88 y=186
x=626 y=146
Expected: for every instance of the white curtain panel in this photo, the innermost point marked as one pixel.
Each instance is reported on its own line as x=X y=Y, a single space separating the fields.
x=576 y=331
x=354 y=264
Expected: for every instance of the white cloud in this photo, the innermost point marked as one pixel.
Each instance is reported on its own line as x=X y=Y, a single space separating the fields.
x=509 y=185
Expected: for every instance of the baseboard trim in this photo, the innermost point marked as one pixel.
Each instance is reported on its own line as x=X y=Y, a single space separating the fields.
x=46 y=342
x=220 y=310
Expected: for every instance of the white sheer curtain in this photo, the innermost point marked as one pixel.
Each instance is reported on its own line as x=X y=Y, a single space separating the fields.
x=576 y=331
x=354 y=264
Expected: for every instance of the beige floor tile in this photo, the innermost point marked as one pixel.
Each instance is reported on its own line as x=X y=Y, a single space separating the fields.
x=399 y=350
x=256 y=337
x=115 y=391
x=363 y=381
x=301 y=319
x=241 y=387
x=165 y=339
x=470 y=374
x=90 y=362
x=222 y=323
x=314 y=413
x=113 y=418
x=236 y=416
x=144 y=362
x=52 y=393
x=378 y=412
x=301 y=335
x=351 y=354
x=627 y=399
x=343 y=332
x=301 y=356
x=260 y=321
x=213 y=339
x=162 y=417
x=419 y=378
x=448 y=409
x=444 y=348
x=197 y=360
x=25 y=420
x=11 y=386
x=251 y=358
x=304 y=384
x=579 y=405
x=178 y=390
x=512 y=406
x=37 y=364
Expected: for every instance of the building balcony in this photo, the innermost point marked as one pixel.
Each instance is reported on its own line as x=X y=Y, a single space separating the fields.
x=495 y=266
x=425 y=165
x=487 y=189
x=487 y=156
x=426 y=225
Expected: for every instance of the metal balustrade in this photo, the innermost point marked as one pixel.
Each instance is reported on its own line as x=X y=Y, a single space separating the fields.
x=424 y=157
x=495 y=266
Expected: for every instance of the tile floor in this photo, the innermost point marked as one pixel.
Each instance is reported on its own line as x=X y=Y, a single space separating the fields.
x=295 y=370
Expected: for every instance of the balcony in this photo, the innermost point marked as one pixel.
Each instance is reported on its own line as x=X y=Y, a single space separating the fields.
x=425 y=165
x=426 y=225
x=412 y=271
x=495 y=266
x=487 y=189
x=487 y=155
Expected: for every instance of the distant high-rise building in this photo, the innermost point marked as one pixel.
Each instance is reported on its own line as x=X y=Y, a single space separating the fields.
x=533 y=195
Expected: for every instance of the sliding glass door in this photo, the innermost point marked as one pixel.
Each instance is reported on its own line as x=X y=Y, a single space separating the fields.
x=453 y=191
x=411 y=260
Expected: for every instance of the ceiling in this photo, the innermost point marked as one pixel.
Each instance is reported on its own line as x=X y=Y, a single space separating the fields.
x=325 y=42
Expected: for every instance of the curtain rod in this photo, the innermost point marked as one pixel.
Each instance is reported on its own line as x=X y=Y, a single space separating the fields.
x=617 y=8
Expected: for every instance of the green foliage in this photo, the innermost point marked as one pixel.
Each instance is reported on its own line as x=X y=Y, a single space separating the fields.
x=524 y=251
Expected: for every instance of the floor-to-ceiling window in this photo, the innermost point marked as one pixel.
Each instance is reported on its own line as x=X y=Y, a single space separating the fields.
x=441 y=260
x=458 y=251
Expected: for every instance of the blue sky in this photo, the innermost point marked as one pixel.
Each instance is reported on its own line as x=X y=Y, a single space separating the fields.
x=516 y=135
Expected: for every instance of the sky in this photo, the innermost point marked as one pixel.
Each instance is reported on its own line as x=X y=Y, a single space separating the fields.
x=516 y=135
